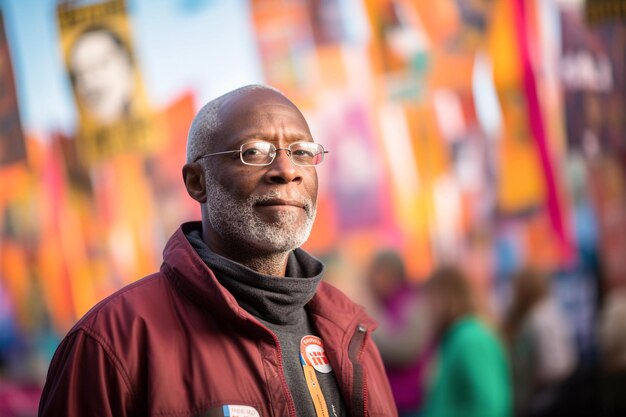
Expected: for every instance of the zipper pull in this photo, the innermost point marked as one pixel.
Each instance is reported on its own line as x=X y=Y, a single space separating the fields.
x=359 y=393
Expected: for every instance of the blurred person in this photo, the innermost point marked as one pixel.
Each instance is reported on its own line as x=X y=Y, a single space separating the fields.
x=404 y=335
x=541 y=347
x=612 y=343
x=472 y=377
x=237 y=321
x=102 y=74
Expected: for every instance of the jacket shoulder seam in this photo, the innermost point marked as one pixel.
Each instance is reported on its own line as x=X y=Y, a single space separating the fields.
x=81 y=324
x=113 y=358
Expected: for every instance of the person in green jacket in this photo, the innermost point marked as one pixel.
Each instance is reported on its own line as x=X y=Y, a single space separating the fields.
x=472 y=377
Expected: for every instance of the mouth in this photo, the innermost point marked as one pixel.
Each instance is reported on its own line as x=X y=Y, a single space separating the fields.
x=280 y=203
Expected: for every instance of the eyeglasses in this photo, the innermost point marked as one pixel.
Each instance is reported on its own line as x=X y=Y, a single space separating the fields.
x=263 y=153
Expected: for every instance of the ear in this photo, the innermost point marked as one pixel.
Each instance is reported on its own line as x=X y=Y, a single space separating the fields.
x=193 y=176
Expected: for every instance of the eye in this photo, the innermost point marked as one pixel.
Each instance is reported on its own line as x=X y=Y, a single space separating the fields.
x=257 y=153
x=251 y=152
x=304 y=153
x=305 y=150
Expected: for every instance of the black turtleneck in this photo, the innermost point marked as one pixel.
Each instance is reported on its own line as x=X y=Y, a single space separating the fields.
x=278 y=302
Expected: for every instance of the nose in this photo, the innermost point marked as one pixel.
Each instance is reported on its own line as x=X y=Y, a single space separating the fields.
x=282 y=170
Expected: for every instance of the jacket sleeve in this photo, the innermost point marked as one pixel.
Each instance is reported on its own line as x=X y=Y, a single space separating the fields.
x=380 y=401
x=85 y=379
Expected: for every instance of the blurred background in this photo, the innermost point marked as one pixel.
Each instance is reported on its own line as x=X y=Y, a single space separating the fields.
x=487 y=134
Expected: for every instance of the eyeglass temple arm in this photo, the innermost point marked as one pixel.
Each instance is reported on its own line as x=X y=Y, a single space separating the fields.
x=215 y=153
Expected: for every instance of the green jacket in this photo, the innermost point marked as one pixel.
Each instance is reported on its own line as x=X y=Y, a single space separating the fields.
x=472 y=376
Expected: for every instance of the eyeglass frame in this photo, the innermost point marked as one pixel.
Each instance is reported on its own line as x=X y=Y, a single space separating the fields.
x=288 y=149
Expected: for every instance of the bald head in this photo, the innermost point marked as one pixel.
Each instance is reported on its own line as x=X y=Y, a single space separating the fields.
x=207 y=124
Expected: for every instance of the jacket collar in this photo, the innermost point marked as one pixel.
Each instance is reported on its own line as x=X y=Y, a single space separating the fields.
x=276 y=300
x=185 y=269
x=188 y=272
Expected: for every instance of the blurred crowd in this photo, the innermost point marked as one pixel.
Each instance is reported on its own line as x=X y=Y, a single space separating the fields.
x=447 y=356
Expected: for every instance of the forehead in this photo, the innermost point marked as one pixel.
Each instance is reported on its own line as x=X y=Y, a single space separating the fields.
x=94 y=51
x=92 y=43
x=261 y=114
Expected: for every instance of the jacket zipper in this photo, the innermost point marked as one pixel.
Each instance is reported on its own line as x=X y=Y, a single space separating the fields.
x=279 y=355
x=359 y=386
x=283 y=382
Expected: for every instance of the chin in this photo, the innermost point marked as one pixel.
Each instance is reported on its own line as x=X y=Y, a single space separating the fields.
x=274 y=239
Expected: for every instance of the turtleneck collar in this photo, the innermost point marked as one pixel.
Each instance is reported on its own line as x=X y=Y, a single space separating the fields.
x=272 y=299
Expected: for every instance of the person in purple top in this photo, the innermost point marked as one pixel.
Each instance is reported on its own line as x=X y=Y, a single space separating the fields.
x=404 y=335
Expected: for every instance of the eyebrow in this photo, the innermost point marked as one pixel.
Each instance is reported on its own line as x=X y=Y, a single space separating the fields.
x=294 y=137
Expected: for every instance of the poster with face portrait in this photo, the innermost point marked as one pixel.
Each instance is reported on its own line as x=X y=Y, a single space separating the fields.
x=12 y=146
x=97 y=49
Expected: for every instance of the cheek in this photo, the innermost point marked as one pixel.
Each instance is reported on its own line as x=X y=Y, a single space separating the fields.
x=240 y=182
x=311 y=184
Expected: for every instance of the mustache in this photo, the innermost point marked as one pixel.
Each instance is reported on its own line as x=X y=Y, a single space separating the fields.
x=306 y=202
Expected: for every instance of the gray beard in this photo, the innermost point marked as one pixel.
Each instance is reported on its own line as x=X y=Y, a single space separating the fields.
x=236 y=221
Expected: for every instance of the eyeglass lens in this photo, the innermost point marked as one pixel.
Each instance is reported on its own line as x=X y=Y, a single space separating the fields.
x=263 y=153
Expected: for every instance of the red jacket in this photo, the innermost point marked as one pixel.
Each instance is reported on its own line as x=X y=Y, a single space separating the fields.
x=176 y=343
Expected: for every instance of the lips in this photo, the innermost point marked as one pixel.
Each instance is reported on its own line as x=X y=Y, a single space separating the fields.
x=280 y=202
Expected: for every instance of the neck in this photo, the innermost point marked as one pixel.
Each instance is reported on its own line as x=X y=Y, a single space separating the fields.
x=273 y=264
x=266 y=263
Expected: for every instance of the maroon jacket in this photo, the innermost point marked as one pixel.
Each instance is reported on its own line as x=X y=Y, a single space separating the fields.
x=176 y=343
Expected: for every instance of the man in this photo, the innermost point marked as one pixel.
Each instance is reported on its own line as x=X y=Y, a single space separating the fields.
x=237 y=322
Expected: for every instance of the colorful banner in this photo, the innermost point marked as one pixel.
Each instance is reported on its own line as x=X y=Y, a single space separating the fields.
x=108 y=89
x=286 y=47
x=358 y=185
x=520 y=182
x=326 y=21
x=12 y=145
x=535 y=121
x=399 y=47
x=594 y=84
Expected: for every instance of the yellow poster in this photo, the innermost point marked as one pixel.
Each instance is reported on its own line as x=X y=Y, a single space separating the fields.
x=97 y=48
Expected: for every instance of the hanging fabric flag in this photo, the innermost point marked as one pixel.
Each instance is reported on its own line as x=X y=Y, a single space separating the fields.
x=329 y=29
x=593 y=84
x=536 y=124
x=286 y=47
x=12 y=145
x=399 y=47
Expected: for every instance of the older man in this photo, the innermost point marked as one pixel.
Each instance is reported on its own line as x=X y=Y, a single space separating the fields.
x=237 y=322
